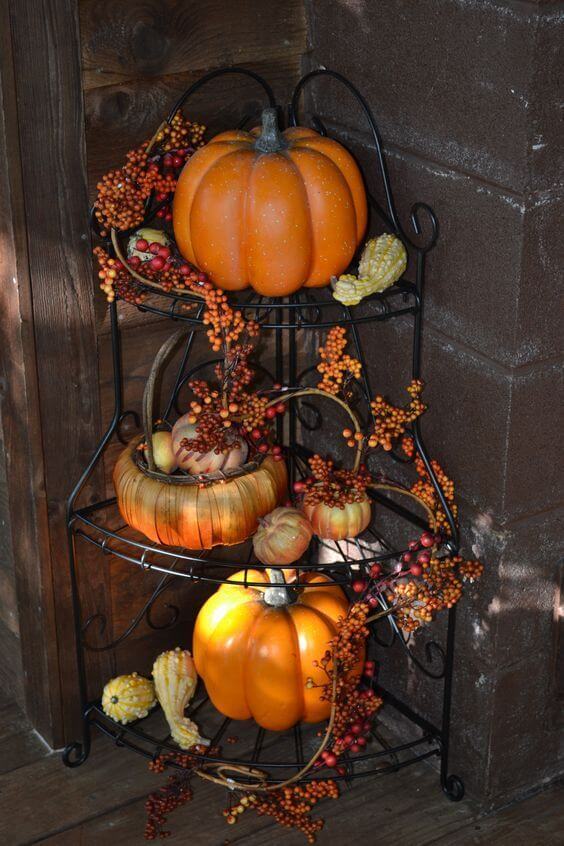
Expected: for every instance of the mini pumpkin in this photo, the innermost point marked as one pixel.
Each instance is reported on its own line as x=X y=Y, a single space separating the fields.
x=128 y=698
x=282 y=536
x=208 y=462
x=338 y=523
x=274 y=211
x=256 y=648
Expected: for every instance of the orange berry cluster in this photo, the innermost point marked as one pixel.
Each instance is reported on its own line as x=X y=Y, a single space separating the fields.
x=123 y=192
x=291 y=806
x=333 y=487
x=164 y=801
x=225 y=324
x=354 y=706
x=336 y=367
x=115 y=279
x=425 y=490
x=390 y=421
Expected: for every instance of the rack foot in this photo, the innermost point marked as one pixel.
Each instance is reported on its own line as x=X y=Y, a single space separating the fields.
x=453 y=788
x=77 y=752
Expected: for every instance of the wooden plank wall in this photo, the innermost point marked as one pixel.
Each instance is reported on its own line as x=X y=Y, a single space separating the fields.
x=137 y=58
x=82 y=81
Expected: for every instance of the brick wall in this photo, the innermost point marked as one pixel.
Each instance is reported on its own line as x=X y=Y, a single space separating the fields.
x=465 y=94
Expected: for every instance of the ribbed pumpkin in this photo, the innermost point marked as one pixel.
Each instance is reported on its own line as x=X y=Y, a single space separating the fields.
x=274 y=211
x=333 y=523
x=282 y=536
x=255 y=649
x=224 y=512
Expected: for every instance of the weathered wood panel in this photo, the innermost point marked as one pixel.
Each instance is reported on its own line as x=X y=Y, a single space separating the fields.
x=132 y=40
x=123 y=115
x=51 y=132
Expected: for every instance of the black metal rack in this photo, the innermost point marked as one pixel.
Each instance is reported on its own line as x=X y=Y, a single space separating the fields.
x=100 y=525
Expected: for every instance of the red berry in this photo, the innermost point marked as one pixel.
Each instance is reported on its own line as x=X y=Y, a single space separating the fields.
x=134 y=262
x=202 y=277
x=168 y=216
x=164 y=252
x=270 y=413
x=413 y=545
x=406 y=557
x=177 y=161
x=184 y=269
x=369 y=665
x=416 y=569
x=276 y=450
x=361 y=741
x=356 y=728
x=355 y=747
x=263 y=448
x=157 y=263
x=375 y=571
x=141 y=245
x=423 y=558
x=372 y=601
x=331 y=760
x=427 y=539
x=299 y=487
x=280 y=408
x=358 y=585
x=256 y=434
x=167 y=160
x=160 y=198
x=348 y=739
x=161 y=213
x=341 y=771
x=277 y=386
x=154 y=248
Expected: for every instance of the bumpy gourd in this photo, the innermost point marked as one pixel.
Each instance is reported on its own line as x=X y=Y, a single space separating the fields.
x=128 y=698
x=175 y=684
x=382 y=263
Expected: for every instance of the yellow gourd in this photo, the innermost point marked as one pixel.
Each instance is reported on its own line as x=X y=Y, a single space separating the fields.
x=382 y=263
x=128 y=698
x=175 y=684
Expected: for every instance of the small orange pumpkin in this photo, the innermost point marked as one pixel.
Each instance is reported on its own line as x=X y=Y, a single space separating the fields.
x=255 y=649
x=333 y=523
x=274 y=211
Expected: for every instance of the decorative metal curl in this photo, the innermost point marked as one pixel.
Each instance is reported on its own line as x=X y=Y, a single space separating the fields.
x=145 y=612
x=221 y=72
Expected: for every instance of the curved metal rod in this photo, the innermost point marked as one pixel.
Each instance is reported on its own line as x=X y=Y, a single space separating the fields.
x=145 y=611
x=392 y=214
x=221 y=72
x=390 y=217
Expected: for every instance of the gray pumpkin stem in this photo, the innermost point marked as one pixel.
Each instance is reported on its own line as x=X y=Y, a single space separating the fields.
x=270 y=139
x=278 y=595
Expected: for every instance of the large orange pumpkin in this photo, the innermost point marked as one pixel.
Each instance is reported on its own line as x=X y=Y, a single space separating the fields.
x=272 y=210
x=255 y=649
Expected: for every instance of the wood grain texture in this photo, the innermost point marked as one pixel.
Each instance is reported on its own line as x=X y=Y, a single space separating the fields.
x=131 y=40
x=25 y=503
x=51 y=133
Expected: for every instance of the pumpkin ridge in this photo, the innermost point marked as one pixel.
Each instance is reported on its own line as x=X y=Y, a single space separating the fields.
x=220 y=162
x=288 y=154
x=299 y=672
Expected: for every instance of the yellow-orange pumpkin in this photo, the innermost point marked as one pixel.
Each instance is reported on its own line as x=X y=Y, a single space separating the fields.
x=333 y=523
x=256 y=652
x=193 y=516
x=274 y=211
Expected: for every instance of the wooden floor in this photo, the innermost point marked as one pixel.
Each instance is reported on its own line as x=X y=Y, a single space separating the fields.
x=102 y=804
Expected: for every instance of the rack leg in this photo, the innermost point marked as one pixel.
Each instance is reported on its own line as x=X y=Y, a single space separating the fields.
x=452 y=785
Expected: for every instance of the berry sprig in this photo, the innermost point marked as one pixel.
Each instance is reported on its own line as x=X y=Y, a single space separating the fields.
x=337 y=367
x=425 y=490
x=334 y=487
x=390 y=421
x=123 y=192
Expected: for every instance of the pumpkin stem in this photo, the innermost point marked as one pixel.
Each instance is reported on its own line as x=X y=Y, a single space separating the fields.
x=278 y=595
x=270 y=139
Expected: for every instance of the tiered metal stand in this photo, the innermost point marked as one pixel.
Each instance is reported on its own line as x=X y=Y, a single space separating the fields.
x=287 y=319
